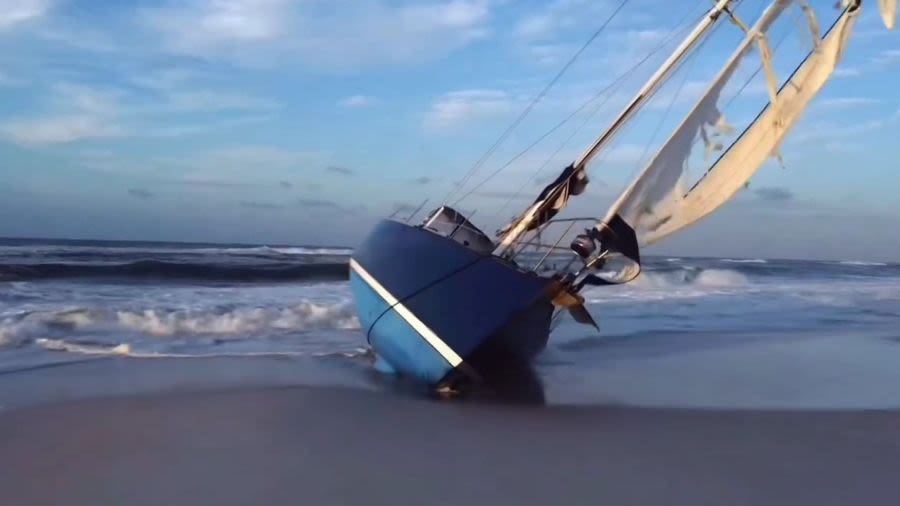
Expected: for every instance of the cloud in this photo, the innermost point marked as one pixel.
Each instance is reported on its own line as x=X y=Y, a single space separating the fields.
x=8 y=81
x=459 y=108
x=141 y=193
x=847 y=72
x=16 y=12
x=78 y=113
x=555 y=17
x=187 y=129
x=422 y=180
x=238 y=166
x=58 y=130
x=836 y=131
x=267 y=32
x=887 y=57
x=847 y=102
x=264 y=206
x=218 y=101
x=773 y=194
x=211 y=183
x=312 y=203
x=327 y=207
x=201 y=27
x=358 y=102
x=344 y=171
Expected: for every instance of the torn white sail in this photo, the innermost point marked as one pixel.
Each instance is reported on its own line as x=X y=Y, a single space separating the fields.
x=658 y=203
x=888 y=10
x=574 y=178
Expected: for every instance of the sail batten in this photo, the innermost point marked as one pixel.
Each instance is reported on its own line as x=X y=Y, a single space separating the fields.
x=657 y=204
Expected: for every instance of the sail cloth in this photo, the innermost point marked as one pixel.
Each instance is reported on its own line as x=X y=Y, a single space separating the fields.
x=572 y=181
x=551 y=200
x=888 y=12
x=658 y=203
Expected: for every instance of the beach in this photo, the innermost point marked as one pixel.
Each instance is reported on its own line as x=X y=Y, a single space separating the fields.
x=167 y=432
x=326 y=445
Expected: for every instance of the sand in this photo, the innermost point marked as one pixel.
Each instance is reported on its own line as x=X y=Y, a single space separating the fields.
x=322 y=446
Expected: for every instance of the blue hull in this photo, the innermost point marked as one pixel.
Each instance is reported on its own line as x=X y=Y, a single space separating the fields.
x=438 y=311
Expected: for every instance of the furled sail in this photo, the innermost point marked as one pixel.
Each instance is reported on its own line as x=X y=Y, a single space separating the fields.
x=659 y=203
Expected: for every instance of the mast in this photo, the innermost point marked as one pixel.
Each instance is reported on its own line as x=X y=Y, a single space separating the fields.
x=655 y=81
x=658 y=202
x=646 y=92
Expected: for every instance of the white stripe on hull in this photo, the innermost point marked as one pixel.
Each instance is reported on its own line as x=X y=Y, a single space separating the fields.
x=439 y=345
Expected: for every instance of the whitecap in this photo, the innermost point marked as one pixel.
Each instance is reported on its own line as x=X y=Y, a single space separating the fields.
x=745 y=260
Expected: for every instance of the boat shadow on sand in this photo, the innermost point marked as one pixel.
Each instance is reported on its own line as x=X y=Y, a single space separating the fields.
x=515 y=384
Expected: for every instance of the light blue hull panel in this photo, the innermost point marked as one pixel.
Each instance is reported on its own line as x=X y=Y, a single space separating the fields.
x=394 y=339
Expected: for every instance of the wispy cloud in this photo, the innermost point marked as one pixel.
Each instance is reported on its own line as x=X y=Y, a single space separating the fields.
x=263 y=206
x=847 y=102
x=141 y=193
x=16 y=12
x=344 y=171
x=887 y=57
x=317 y=203
x=847 y=72
x=58 y=129
x=181 y=129
x=208 y=100
x=255 y=32
x=75 y=113
x=358 y=102
x=9 y=81
x=773 y=194
x=330 y=208
x=459 y=108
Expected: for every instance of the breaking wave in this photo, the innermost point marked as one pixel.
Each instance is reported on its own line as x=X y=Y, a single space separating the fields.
x=713 y=278
x=239 y=323
x=744 y=261
x=161 y=270
x=126 y=350
x=304 y=316
x=856 y=263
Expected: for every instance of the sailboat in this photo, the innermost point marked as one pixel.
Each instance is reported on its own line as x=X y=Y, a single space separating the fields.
x=445 y=303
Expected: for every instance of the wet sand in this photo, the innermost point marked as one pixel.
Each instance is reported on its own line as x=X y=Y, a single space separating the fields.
x=322 y=446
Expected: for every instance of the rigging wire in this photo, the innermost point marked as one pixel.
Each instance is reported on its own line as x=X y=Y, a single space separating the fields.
x=749 y=80
x=506 y=133
x=766 y=107
x=605 y=91
x=692 y=60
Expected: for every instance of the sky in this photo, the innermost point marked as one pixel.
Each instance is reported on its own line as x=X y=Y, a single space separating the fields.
x=307 y=121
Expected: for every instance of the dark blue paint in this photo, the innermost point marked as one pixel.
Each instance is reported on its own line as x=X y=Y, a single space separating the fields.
x=466 y=299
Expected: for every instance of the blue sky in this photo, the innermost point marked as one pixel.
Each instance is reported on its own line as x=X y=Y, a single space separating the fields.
x=305 y=121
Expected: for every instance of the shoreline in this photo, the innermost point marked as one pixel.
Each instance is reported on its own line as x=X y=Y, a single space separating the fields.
x=844 y=371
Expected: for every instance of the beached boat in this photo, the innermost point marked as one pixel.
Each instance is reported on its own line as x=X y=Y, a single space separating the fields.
x=444 y=302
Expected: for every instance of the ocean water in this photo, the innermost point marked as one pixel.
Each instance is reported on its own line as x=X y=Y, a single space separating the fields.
x=71 y=300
